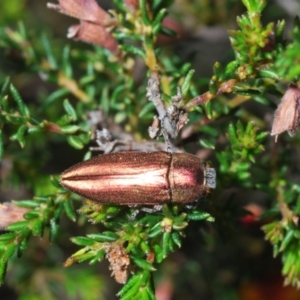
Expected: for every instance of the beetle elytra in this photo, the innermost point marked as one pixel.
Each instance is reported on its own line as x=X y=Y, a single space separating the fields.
x=141 y=178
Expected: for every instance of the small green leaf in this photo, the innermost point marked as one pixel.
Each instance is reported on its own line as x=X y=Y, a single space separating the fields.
x=208 y=109
x=218 y=70
x=240 y=128
x=98 y=257
x=207 y=144
x=86 y=80
x=128 y=36
x=66 y=64
x=262 y=136
x=87 y=156
x=69 y=129
x=75 y=142
x=176 y=238
x=106 y=236
x=144 y=11
x=23 y=245
x=269 y=73
x=98 y=218
x=4 y=87
x=279 y=29
x=32 y=214
x=213 y=86
x=157 y=4
x=55 y=96
x=69 y=209
x=39 y=199
x=168 y=31
x=198 y=216
x=141 y=294
x=180 y=225
x=155 y=231
x=145 y=278
x=38 y=228
x=171 y=244
x=85 y=257
x=17 y=226
x=158 y=253
x=7 y=237
x=120 y=5
x=58 y=211
x=83 y=241
x=230 y=70
x=112 y=210
x=143 y=264
x=287 y=240
x=232 y=134
x=131 y=287
x=48 y=50
x=255 y=6
x=14 y=119
x=26 y=203
x=3 y=267
x=120 y=117
x=165 y=244
x=55 y=181
x=133 y=50
x=70 y=109
x=146 y=109
x=261 y=99
x=145 y=247
x=187 y=83
x=53 y=229
x=156 y=25
x=9 y=252
x=22 y=107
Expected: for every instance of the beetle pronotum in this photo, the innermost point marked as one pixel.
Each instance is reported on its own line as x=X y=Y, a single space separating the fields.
x=145 y=178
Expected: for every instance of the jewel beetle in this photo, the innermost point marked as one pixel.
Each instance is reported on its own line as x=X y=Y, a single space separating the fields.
x=141 y=178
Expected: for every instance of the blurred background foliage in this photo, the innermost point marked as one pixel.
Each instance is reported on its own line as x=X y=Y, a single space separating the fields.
x=231 y=261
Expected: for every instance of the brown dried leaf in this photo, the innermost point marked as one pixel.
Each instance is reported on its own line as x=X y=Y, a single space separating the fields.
x=286 y=116
x=119 y=262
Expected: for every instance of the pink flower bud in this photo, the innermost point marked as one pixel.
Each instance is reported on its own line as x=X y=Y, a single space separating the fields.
x=94 y=34
x=87 y=10
x=10 y=213
x=287 y=117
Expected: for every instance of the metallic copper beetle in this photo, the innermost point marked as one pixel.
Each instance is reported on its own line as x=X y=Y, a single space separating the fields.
x=145 y=178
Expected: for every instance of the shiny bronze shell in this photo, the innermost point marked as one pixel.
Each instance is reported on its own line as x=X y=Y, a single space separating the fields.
x=149 y=178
